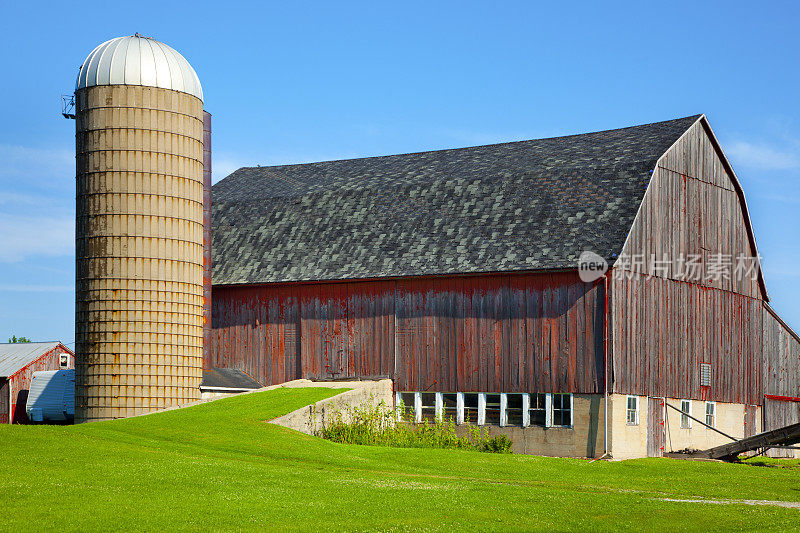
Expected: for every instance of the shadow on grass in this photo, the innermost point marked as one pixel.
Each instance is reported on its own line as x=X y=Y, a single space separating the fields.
x=769 y=462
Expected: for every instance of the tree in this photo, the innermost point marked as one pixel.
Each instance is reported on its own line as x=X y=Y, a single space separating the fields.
x=14 y=339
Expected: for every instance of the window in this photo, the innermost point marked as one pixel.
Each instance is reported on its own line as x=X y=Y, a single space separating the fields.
x=492 y=409
x=64 y=360
x=513 y=409
x=562 y=410
x=705 y=375
x=538 y=409
x=471 y=408
x=406 y=406
x=711 y=413
x=686 y=409
x=633 y=411
x=449 y=407
x=429 y=406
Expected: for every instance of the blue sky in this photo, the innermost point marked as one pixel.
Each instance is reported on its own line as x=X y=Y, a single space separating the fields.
x=295 y=82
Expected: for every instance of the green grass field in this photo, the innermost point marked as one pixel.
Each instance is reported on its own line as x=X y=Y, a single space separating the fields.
x=218 y=466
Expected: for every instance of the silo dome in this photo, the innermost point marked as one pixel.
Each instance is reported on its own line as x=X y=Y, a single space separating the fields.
x=137 y=60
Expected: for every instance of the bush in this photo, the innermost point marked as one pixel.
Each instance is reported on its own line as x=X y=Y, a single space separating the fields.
x=373 y=424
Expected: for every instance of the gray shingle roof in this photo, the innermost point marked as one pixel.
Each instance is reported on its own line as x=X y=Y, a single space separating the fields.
x=228 y=378
x=528 y=205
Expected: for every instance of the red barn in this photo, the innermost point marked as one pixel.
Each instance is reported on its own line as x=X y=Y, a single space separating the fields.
x=461 y=275
x=18 y=362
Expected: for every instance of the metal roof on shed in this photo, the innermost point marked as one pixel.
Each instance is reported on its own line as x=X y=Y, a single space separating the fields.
x=16 y=356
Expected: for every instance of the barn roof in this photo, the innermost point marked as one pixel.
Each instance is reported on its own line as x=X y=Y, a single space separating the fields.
x=519 y=206
x=16 y=356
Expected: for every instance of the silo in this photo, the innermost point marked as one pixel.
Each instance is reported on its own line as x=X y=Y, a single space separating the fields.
x=139 y=230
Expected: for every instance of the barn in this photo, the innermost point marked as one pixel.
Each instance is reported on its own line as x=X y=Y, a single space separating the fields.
x=459 y=274
x=18 y=362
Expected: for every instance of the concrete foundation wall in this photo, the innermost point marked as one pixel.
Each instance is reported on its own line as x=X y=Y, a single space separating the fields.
x=729 y=419
x=628 y=441
x=583 y=439
x=313 y=417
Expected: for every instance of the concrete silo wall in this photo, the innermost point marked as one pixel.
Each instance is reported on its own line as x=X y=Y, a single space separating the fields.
x=139 y=249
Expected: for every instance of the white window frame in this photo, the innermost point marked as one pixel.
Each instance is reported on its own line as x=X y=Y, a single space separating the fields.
x=503 y=409
x=459 y=408
x=688 y=424
x=526 y=410
x=418 y=407
x=397 y=401
x=481 y=408
x=628 y=409
x=713 y=423
x=549 y=411
x=438 y=406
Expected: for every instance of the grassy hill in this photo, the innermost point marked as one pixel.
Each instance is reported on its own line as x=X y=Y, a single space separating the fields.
x=219 y=466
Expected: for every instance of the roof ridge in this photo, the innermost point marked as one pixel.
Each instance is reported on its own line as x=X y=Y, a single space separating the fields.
x=505 y=143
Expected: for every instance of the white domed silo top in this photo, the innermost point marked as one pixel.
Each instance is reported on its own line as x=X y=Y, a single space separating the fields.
x=137 y=60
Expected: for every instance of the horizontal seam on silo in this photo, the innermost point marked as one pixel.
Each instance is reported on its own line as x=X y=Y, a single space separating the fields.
x=159 y=280
x=134 y=128
x=175 y=176
x=136 y=150
x=145 y=257
x=153 y=237
x=87 y=109
x=145 y=194
x=105 y=214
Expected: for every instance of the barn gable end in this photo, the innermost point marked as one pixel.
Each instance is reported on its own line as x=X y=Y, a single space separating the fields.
x=693 y=207
x=666 y=322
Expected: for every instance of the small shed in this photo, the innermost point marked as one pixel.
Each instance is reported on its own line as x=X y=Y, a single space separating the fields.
x=18 y=362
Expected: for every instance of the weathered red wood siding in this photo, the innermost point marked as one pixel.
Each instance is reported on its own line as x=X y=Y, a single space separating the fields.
x=4 y=403
x=781 y=373
x=691 y=208
x=781 y=357
x=346 y=329
x=664 y=326
x=665 y=329
x=20 y=382
x=256 y=330
x=514 y=333
x=520 y=332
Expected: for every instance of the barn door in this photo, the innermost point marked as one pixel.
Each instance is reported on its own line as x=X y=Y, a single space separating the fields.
x=749 y=420
x=655 y=427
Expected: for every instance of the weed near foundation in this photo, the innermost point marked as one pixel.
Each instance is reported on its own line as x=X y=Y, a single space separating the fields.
x=376 y=424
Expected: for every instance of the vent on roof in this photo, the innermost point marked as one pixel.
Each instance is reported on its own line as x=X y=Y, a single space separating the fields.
x=705 y=375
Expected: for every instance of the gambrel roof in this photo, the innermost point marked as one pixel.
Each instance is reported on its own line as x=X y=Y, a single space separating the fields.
x=519 y=206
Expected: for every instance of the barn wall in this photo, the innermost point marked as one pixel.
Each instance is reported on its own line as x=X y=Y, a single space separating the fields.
x=20 y=383
x=781 y=372
x=781 y=357
x=256 y=330
x=502 y=333
x=664 y=330
x=666 y=320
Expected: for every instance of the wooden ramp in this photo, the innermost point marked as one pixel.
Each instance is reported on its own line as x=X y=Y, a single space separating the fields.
x=780 y=437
